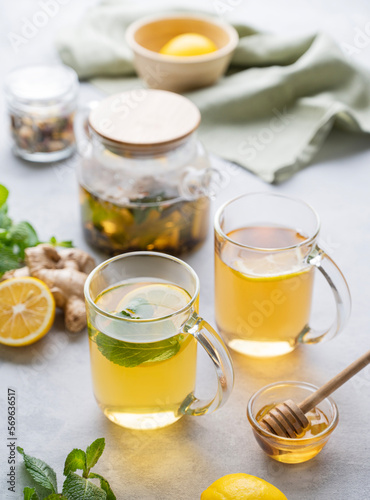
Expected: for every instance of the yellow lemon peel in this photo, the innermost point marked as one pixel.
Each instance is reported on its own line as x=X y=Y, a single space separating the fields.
x=188 y=44
x=242 y=487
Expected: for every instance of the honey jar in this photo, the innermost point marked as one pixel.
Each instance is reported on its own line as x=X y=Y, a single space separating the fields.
x=323 y=419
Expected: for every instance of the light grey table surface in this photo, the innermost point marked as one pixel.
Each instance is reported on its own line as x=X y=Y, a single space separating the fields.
x=56 y=409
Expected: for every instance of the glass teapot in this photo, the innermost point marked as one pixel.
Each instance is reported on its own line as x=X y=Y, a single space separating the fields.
x=144 y=178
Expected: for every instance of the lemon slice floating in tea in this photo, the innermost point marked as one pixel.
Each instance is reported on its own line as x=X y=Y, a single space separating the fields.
x=27 y=310
x=153 y=301
x=287 y=263
x=188 y=44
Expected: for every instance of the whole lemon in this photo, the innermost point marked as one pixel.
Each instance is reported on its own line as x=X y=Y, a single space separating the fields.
x=188 y=44
x=241 y=487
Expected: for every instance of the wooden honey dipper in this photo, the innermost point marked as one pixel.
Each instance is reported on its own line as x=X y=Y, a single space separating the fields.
x=289 y=420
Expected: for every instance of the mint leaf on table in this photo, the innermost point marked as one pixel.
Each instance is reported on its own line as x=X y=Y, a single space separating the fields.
x=21 y=236
x=94 y=452
x=104 y=485
x=78 y=488
x=65 y=244
x=23 y=233
x=75 y=487
x=130 y=354
x=40 y=471
x=5 y=220
x=8 y=260
x=4 y=193
x=30 y=494
x=56 y=496
x=75 y=460
x=16 y=237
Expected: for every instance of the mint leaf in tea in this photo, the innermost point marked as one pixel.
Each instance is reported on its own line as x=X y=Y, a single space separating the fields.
x=130 y=354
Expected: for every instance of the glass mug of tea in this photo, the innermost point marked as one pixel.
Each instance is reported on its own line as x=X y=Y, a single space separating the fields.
x=265 y=255
x=144 y=328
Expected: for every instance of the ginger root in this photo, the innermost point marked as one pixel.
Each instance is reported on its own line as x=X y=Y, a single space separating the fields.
x=65 y=272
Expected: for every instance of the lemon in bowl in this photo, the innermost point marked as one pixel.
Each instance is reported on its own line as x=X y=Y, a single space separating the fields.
x=181 y=52
x=188 y=44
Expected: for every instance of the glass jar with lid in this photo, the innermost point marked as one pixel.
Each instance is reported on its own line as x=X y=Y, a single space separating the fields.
x=42 y=102
x=144 y=177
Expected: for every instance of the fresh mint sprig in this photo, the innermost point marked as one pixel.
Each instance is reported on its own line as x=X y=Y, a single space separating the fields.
x=75 y=487
x=16 y=237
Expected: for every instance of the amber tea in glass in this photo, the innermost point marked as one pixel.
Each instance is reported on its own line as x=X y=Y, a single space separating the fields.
x=265 y=256
x=144 y=330
x=140 y=367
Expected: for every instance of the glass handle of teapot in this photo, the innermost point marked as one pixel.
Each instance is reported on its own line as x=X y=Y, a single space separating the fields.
x=216 y=349
x=81 y=128
x=198 y=182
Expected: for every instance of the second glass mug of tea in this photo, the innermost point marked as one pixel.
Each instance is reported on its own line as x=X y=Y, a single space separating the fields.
x=266 y=252
x=144 y=328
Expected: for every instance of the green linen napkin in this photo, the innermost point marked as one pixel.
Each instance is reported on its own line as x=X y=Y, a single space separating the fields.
x=273 y=110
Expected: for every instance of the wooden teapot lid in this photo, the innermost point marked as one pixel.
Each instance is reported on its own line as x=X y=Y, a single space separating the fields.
x=145 y=119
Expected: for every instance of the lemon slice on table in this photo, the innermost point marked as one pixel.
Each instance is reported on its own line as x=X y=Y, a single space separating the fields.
x=27 y=310
x=153 y=301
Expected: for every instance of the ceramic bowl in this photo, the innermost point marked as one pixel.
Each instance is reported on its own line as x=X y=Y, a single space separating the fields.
x=147 y=36
x=289 y=450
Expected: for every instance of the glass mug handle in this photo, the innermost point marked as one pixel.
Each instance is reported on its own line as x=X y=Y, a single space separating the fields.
x=342 y=297
x=213 y=344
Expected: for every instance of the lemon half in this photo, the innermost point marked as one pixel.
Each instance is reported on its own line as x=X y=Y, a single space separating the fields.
x=27 y=311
